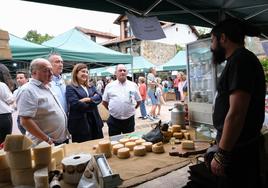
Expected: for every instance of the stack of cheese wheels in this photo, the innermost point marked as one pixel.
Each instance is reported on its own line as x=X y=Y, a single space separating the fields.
x=4 y=168
x=187 y=144
x=178 y=135
x=148 y=146
x=18 y=155
x=123 y=153
x=73 y=167
x=158 y=148
x=176 y=128
x=139 y=150
x=116 y=147
x=130 y=145
x=105 y=148
x=139 y=141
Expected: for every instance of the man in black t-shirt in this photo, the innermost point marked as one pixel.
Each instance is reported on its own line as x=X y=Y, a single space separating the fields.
x=239 y=106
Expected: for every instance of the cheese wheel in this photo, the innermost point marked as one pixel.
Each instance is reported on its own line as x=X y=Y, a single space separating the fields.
x=105 y=148
x=19 y=159
x=130 y=145
x=3 y=161
x=17 y=143
x=123 y=153
x=116 y=148
x=187 y=136
x=183 y=131
x=139 y=150
x=22 y=176
x=124 y=140
x=57 y=154
x=4 y=175
x=42 y=154
x=176 y=128
x=133 y=138
x=41 y=178
x=139 y=141
x=178 y=135
x=187 y=144
x=158 y=148
x=114 y=143
x=148 y=146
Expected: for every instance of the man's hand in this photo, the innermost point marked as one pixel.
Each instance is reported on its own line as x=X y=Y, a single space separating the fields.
x=216 y=168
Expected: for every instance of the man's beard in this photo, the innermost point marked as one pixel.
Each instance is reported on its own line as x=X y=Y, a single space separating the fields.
x=218 y=54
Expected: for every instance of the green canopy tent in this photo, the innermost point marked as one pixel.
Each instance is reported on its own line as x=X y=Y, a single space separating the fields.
x=75 y=46
x=197 y=12
x=23 y=52
x=178 y=62
x=140 y=65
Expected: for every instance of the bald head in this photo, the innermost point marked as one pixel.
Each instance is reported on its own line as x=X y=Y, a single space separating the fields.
x=41 y=70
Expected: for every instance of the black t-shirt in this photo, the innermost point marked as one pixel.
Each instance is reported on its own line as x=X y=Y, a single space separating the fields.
x=243 y=71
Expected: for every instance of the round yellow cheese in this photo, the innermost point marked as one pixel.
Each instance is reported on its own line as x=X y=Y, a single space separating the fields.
x=124 y=140
x=130 y=145
x=148 y=146
x=139 y=150
x=139 y=141
x=133 y=138
x=176 y=128
x=123 y=153
x=114 y=143
x=178 y=135
x=116 y=148
x=158 y=148
x=105 y=147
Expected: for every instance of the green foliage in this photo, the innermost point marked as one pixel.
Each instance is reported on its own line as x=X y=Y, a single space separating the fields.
x=37 y=38
x=264 y=63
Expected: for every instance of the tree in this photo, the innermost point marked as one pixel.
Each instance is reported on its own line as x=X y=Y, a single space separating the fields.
x=35 y=37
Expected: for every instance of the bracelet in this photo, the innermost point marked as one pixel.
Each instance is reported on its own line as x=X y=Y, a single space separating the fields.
x=48 y=139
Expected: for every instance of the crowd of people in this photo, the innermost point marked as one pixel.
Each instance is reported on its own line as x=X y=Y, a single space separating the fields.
x=51 y=111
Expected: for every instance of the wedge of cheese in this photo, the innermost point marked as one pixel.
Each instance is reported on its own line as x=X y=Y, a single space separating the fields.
x=3 y=161
x=187 y=144
x=42 y=154
x=41 y=178
x=19 y=159
x=17 y=143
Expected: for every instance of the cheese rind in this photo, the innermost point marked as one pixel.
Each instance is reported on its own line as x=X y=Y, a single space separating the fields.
x=105 y=147
x=57 y=154
x=41 y=178
x=148 y=146
x=158 y=148
x=139 y=150
x=123 y=153
x=42 y=154
x=3 y=161
x=22 y=176
x=130 y=145
x=19 y=159
x=17 y=143
x=116 y=148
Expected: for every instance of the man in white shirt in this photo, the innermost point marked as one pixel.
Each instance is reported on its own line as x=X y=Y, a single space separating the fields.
x=57 y=84
x=121 y=97
x=39 y=109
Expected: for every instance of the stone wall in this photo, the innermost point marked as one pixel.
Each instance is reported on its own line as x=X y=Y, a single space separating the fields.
x=157 y=53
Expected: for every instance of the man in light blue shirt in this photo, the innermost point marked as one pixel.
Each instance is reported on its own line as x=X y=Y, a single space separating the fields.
x=57 y=84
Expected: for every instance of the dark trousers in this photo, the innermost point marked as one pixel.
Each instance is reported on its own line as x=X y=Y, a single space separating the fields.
x=244 y=170
x=21 y=128
x=5 y=126
x=177 y=93
x=118 y=126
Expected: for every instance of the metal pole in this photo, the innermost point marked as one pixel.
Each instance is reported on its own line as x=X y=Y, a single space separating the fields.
x=131 y=52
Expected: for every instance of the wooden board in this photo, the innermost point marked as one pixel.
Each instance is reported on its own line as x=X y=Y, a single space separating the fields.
x=200 y=147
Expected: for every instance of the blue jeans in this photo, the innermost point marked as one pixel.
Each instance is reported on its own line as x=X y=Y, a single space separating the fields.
x=143 y=109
